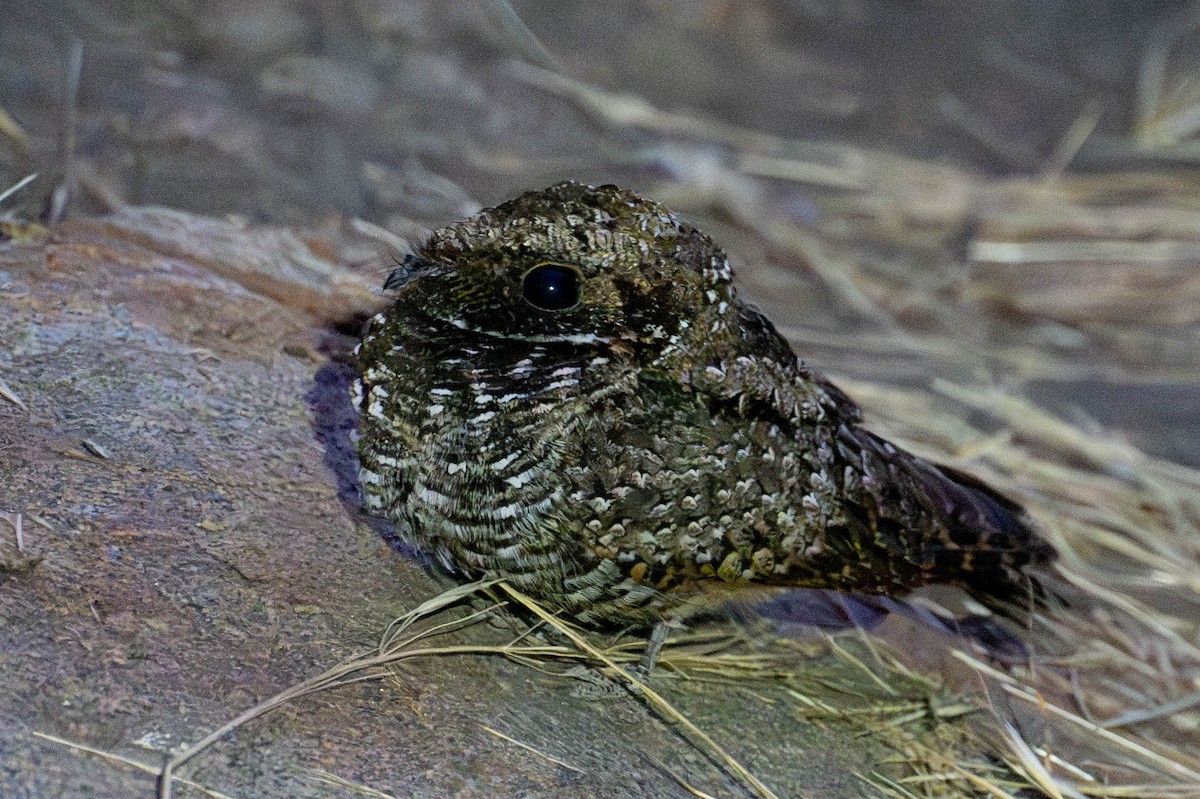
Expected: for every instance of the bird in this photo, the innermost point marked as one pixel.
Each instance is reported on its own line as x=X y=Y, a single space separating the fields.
x=568 y=394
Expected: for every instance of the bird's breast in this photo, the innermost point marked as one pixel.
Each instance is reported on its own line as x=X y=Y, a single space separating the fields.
x=481 y=446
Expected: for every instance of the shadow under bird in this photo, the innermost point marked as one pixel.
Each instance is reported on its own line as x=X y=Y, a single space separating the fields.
x=568 y=394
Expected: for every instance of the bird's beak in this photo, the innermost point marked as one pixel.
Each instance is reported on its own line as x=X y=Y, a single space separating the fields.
x=412 y=267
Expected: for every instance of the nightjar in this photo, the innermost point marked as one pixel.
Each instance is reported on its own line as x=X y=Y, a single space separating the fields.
x=568 y=394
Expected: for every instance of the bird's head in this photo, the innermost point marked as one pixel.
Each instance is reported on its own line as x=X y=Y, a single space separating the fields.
x=573 y=264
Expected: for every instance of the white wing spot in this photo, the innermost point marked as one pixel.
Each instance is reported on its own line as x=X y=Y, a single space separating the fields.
x=505 y=461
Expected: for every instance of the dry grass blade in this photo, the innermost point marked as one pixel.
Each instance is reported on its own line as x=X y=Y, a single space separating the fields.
x=10 y=395
x=1026 y=419
x=633 y=111
x=529 y=748
x=652 y=697
x=515 y=32
x=978 y=782
x=1169 y=708
x=836 y=272
x=1148 y=755
x=352 y=670
x=863 y=667
x=128 y=761
x=1167 y=114
x=1149 y=617
x=932 y=765
x=1072 y=141
x=446 y=599
x=16 y=187
x=1029 y=765
x=15 y=134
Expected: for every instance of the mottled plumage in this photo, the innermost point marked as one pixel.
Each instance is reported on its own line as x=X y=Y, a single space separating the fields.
x=568 y=394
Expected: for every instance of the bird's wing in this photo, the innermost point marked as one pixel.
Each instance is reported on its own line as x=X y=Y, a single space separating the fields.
x=932 y=521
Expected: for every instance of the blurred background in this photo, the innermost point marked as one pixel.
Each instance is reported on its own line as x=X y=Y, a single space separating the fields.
x=999 y=191
x=284 y=109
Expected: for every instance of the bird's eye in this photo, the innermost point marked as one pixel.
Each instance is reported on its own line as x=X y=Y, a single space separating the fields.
x=551 y=287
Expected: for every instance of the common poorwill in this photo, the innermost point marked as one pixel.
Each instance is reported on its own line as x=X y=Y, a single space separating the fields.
x=568 y=394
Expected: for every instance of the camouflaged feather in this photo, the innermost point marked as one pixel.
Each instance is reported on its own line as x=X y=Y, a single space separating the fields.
x=622 y=458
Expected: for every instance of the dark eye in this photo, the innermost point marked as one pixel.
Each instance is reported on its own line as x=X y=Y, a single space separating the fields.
x=551 y=288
